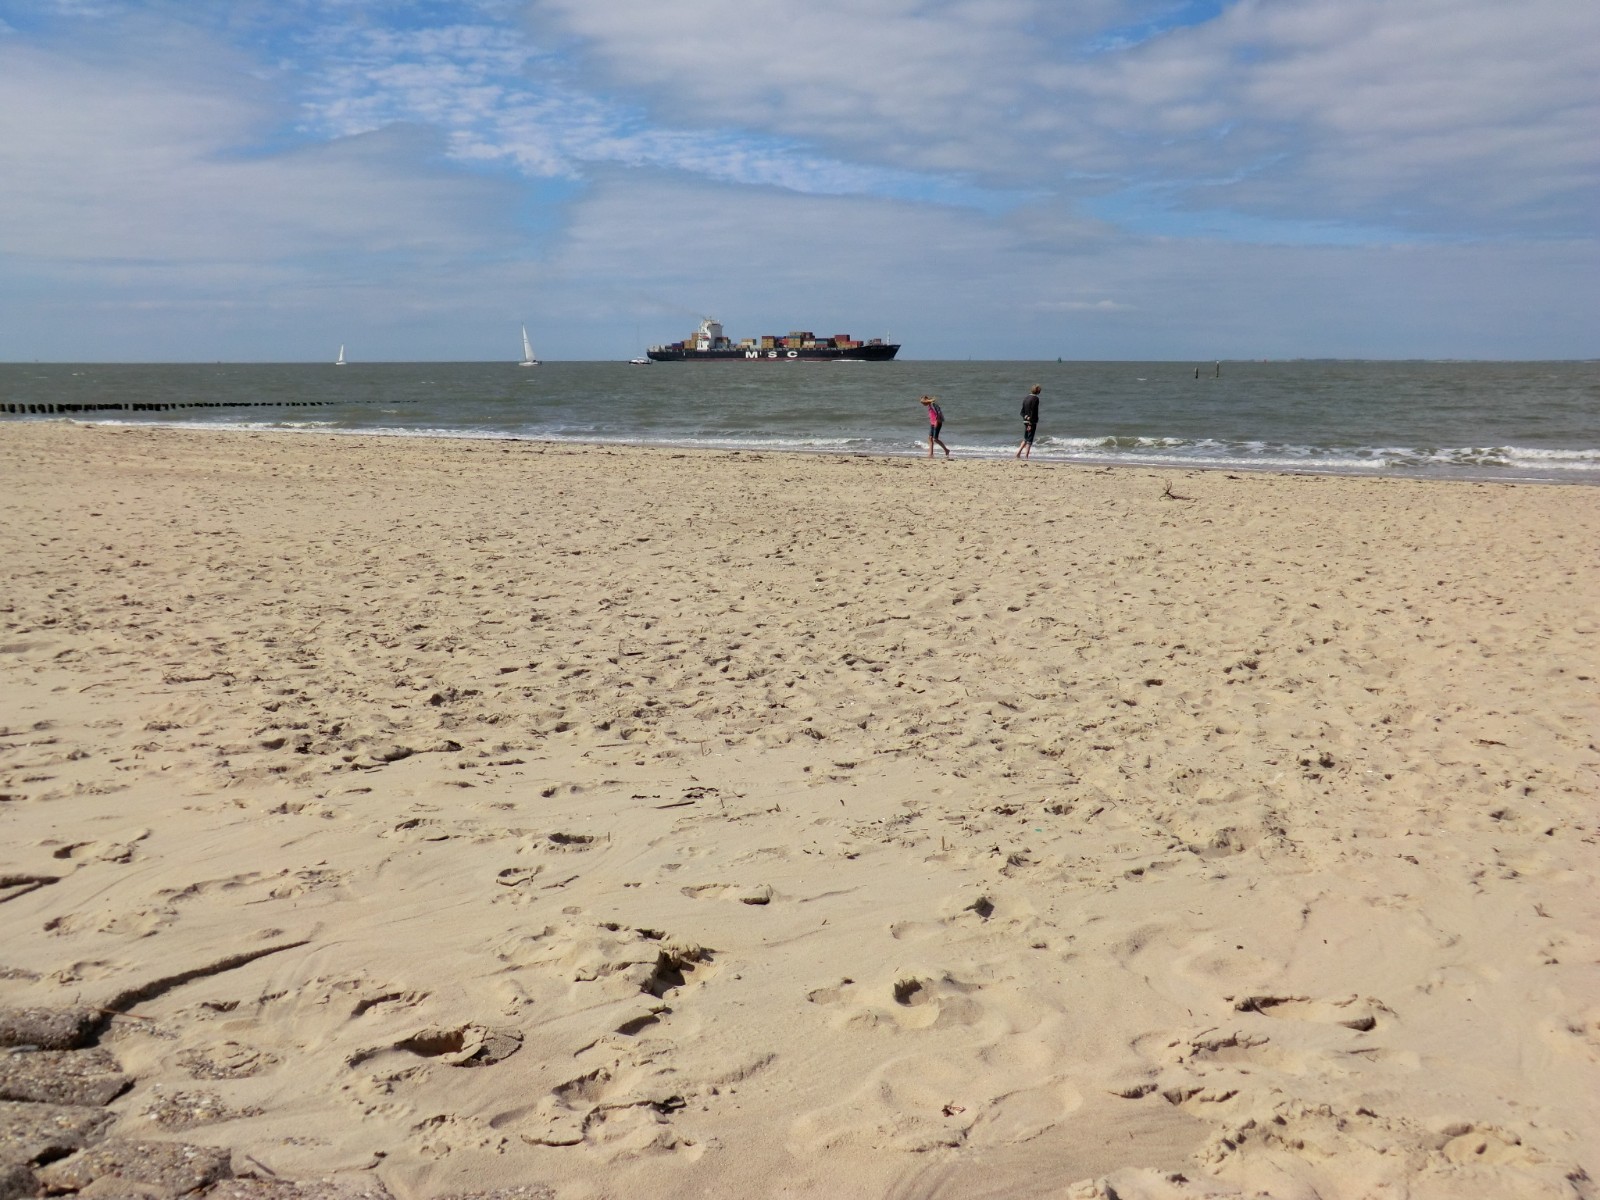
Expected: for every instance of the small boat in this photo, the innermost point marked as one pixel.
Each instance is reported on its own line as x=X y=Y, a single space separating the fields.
x=638 y=360
x=528 y=360
x=339 y=362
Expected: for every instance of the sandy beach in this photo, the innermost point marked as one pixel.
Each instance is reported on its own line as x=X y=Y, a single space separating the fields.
x=443 y=817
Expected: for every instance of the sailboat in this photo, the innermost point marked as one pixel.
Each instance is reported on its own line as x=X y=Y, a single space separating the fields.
x=339 y=362
x=528 y=360
x=639 y=361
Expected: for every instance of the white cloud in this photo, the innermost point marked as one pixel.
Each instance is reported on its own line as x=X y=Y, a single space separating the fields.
x=916 y=81
x=504 y=102
x=1470 y=114
x=1423 y=113
x=142 y=162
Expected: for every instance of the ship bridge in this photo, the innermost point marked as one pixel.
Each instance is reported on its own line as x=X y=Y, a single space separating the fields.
x=710 y=336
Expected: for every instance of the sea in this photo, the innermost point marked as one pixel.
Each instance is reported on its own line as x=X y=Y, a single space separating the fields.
x=1506 y=421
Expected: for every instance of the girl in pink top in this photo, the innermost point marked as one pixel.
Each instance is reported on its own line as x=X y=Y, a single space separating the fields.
x=935 y=424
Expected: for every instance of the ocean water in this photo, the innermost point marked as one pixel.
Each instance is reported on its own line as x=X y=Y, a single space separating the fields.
x=1537 y=421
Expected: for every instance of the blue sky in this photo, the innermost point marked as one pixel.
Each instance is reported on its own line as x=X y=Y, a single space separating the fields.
x=1185 y=179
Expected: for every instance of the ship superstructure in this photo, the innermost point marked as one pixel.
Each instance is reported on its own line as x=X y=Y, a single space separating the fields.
x=709 y=343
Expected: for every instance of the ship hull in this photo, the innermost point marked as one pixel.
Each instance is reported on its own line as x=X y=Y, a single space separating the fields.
x=878 y=353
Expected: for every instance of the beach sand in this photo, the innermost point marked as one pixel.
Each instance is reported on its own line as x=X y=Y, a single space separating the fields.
x=441 y=817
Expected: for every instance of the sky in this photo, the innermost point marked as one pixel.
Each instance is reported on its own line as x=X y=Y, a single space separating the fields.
x=265 y=180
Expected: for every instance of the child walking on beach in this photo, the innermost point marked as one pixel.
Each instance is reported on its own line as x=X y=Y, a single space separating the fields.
x=935 y=424
x=1030 y=422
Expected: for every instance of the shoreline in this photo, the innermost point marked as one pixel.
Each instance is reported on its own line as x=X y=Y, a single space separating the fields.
x=1439 y=474
x=645 y=819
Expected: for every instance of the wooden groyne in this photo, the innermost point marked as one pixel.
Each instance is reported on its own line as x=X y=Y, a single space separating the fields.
x=21 y=408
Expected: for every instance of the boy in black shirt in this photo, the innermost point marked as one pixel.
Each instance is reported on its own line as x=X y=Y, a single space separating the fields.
x=1030 y=422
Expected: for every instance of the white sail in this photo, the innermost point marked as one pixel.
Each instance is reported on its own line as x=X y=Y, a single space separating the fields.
x=339 y=362
x=528 y=360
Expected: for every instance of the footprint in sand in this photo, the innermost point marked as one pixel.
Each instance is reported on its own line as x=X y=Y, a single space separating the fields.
x=178 y=1110
x=1485 y=1144
x=758 y=894
x=1353 y=1012
x=568 y=841
x=310 y=879
x=1212 y=1065
x=1367 y=1144
x=924 y=1102
x=831 y=995
x=469 y=1045
x=624 y=1110
x=205 y=887
x=444 y=1134
x=83 y=971
x=617 y=960
x=1578 y=1031
x=904 y=1000
x=518 y=883
x=132 y=922
x=1248 y=1050
x=420 y=829
x=969 y=913
x=385 y=1003
x=118 y=849
x=226 y=1060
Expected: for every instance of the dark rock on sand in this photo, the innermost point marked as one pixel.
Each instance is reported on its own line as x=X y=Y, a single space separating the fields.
x=36 y=1133
x=49 y=1028
x=357 y=1187
x=157 y=1169
x=17 y=1181
x=61 y=1076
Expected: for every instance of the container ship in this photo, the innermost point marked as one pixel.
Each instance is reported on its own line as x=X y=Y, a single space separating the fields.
x=710 y=344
